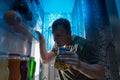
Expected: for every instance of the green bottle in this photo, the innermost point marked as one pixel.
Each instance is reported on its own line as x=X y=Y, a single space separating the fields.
x=32 y=66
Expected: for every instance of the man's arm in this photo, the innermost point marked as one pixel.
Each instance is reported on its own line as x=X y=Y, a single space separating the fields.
x=93 y=71
x=45 y=55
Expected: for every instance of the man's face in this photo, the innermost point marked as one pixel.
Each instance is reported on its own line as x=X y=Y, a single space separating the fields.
x=61 y=37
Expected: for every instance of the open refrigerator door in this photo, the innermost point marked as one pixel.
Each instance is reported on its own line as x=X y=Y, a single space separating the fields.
x=16 y=40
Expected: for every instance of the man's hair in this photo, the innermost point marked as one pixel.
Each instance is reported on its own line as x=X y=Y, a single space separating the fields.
x=63 y=23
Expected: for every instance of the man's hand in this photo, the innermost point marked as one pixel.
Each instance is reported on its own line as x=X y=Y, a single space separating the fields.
x=70 y=58
x=41 y=37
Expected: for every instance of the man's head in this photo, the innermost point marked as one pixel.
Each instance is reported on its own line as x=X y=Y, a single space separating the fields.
x=61 y=31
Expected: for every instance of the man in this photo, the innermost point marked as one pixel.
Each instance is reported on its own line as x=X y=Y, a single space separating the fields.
x=84 y=63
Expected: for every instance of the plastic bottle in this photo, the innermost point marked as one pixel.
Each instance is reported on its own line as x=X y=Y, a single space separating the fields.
x=4 y=71
x=24 y=67
x=14 y=66
x=32 y=66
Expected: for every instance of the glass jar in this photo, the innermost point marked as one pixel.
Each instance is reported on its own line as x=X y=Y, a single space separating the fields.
x=58 y=63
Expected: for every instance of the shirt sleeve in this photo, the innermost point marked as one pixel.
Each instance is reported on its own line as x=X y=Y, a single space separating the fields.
x=90 y=54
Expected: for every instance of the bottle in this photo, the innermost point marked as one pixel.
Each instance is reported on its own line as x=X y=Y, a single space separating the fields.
x=24 y=67
x=14 y=66
x=4 y=71
x=32 y=67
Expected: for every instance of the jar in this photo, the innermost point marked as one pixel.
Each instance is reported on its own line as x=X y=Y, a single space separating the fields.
x=58 y=63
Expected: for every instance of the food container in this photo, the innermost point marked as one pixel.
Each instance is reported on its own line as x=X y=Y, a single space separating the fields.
x=58 y=63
